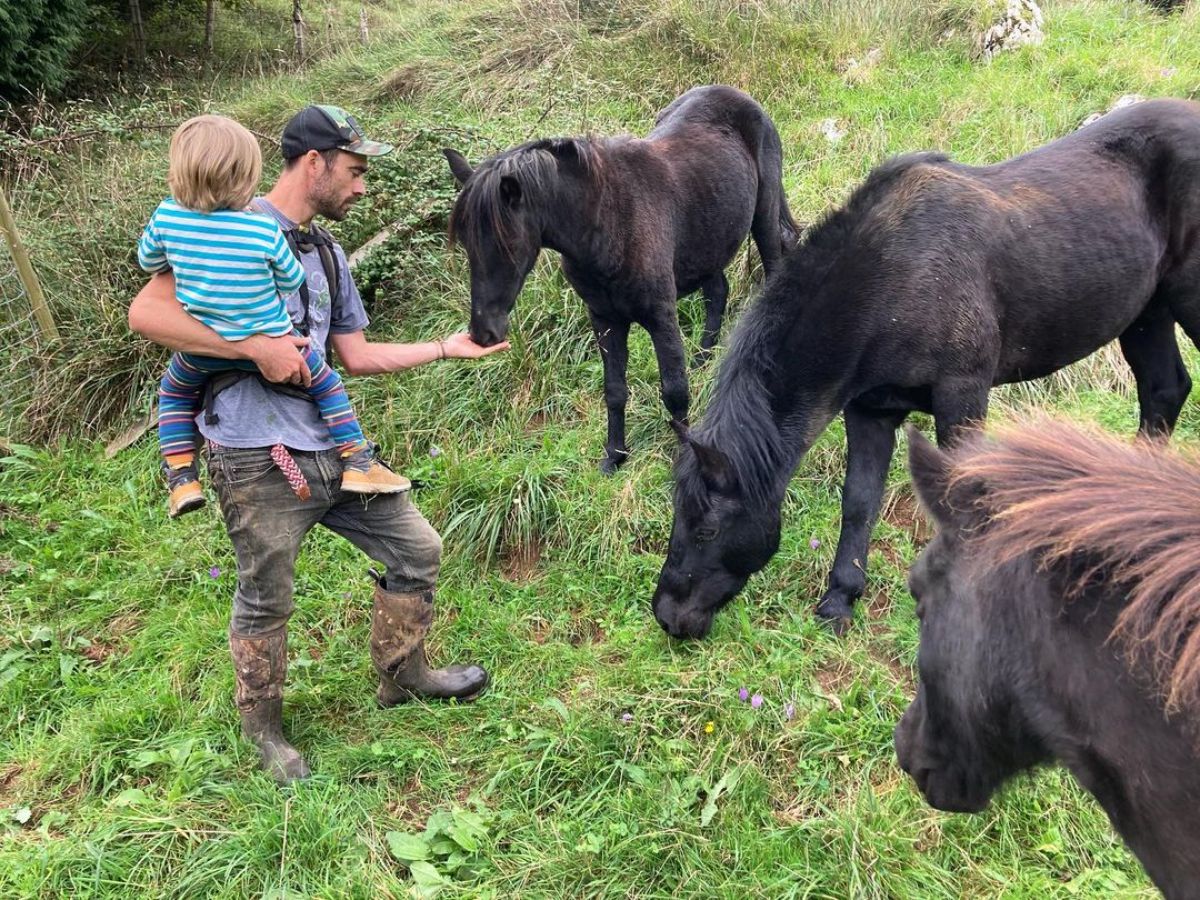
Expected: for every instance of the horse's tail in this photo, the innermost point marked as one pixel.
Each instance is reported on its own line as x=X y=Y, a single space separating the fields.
x=770 y=182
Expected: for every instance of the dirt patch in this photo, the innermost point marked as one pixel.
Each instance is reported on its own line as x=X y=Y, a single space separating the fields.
x=536 y=422
x=584 y=630
x=539 y=631
x=124 y=624
x=99 y=651
x=9 y=783
x=835 y=677
x=902 y=512
x=520 y=564
x=408 y=809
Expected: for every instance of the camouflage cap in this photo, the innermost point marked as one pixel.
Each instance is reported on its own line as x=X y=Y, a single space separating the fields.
x=327 y=128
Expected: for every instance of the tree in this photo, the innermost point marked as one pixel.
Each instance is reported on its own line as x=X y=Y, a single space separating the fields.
x=37 y=38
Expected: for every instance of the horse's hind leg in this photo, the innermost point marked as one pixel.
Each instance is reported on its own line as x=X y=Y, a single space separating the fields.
x=870 y=441
x=716 y=293
x=613 y=339
x=672 y=371
x=1163 y=383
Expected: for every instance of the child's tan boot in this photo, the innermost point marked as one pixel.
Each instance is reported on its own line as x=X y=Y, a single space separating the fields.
x=365 y=474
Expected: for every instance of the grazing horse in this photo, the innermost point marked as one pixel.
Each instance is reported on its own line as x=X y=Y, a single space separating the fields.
x=1059 y=605
x=933 y=283
x=638 y=223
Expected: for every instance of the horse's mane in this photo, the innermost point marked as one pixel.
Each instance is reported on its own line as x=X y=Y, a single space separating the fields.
x=740 y=421
x=480 y=210
x=1127 y=514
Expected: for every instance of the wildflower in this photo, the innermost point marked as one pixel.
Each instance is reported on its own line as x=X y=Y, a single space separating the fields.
x=743 y=694
x=814 y=543
x=346 y=595
x=626 y=717
x=789 y=710
x=756 y=701
x=435 y=451
x=708 y=727
x=214 y=572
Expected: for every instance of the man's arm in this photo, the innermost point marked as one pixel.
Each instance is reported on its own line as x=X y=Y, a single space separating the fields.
x=156 y=315
x=361 y=357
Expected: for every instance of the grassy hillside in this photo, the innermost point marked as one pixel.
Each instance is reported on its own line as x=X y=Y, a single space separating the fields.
x=606 y=760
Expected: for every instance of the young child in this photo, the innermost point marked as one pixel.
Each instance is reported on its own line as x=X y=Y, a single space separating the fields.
x=232 y=270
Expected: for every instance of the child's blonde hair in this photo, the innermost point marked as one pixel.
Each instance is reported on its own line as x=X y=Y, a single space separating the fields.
x=215 y=164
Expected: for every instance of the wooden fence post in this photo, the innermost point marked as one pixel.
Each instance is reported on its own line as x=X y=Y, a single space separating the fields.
x=37 y=300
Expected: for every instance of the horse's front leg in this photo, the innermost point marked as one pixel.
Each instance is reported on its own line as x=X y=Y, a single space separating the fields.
x=870 y=441
x=672 y=370
x=612 y=336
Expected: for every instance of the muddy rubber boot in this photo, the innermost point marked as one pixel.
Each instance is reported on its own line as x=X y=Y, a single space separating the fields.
x=259 y=671
x=399 y=623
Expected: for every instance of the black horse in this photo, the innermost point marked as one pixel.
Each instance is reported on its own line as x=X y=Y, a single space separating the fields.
x=639 y=224
x=935 y=282
x=1059 y=605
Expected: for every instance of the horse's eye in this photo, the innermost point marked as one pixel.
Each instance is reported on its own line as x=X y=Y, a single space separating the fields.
x=704 y=535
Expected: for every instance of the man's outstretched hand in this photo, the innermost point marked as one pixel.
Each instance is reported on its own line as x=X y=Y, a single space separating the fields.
x=460 y=346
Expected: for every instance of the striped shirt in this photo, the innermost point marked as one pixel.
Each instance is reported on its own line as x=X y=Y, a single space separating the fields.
x=232 y=268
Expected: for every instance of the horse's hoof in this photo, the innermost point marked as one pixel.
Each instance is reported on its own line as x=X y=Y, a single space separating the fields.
x=609 y=465
x=837 y=614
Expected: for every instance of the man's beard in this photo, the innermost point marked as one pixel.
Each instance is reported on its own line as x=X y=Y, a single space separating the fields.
x=329 y=206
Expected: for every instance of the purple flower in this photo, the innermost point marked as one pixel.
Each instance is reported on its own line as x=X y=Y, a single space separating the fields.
x=756 y=701
x=627 y=717
x=789 y=710
x=743 y=694
x=435 y=451
x=814 y=543
x=346 y=595
x=214 y=572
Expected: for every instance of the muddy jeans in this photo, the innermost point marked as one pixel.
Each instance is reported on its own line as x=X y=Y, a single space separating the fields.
x=266 y=522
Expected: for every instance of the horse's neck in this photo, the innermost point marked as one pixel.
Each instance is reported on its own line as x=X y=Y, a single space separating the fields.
x=568 y=216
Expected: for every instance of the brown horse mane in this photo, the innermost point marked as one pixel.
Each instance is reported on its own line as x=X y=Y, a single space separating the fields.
x=1129 y=512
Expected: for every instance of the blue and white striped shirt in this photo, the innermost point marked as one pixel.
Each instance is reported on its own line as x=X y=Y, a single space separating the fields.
x=232 y=268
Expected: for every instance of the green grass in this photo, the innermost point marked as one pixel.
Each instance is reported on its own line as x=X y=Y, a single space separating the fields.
x=121 y=769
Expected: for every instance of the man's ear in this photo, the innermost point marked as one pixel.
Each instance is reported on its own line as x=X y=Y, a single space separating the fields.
x=459 y=167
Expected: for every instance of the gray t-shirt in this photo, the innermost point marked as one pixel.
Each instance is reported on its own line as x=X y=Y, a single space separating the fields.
x=251 y=415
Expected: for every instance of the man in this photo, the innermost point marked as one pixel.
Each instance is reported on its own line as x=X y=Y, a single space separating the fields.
x=273 y=466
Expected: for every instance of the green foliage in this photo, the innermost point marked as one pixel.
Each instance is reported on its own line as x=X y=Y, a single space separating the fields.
x=611 y=762
x=37 y=38
x=455 y=845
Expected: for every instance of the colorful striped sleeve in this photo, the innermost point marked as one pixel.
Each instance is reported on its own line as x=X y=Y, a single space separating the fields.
x=288 y=272
x=151 y=255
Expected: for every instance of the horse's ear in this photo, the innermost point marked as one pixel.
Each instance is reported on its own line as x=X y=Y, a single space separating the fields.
x=459 y=167
x=951 y=505
x=715 y=467
x=565 y=148
x=510 y=191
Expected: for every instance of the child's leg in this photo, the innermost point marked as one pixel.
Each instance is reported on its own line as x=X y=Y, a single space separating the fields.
x=179 y=401
x=363 y=474
x=329 y=394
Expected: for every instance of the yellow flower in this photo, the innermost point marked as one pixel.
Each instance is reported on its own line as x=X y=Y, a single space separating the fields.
x=708 y=727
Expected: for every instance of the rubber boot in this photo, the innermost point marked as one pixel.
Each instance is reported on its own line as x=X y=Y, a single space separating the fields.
x=399 y=623
x=259 y=671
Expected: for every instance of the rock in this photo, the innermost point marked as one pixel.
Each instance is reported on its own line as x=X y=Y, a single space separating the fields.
x=833 y=134
x=1120 y=103
x=1020 y=25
